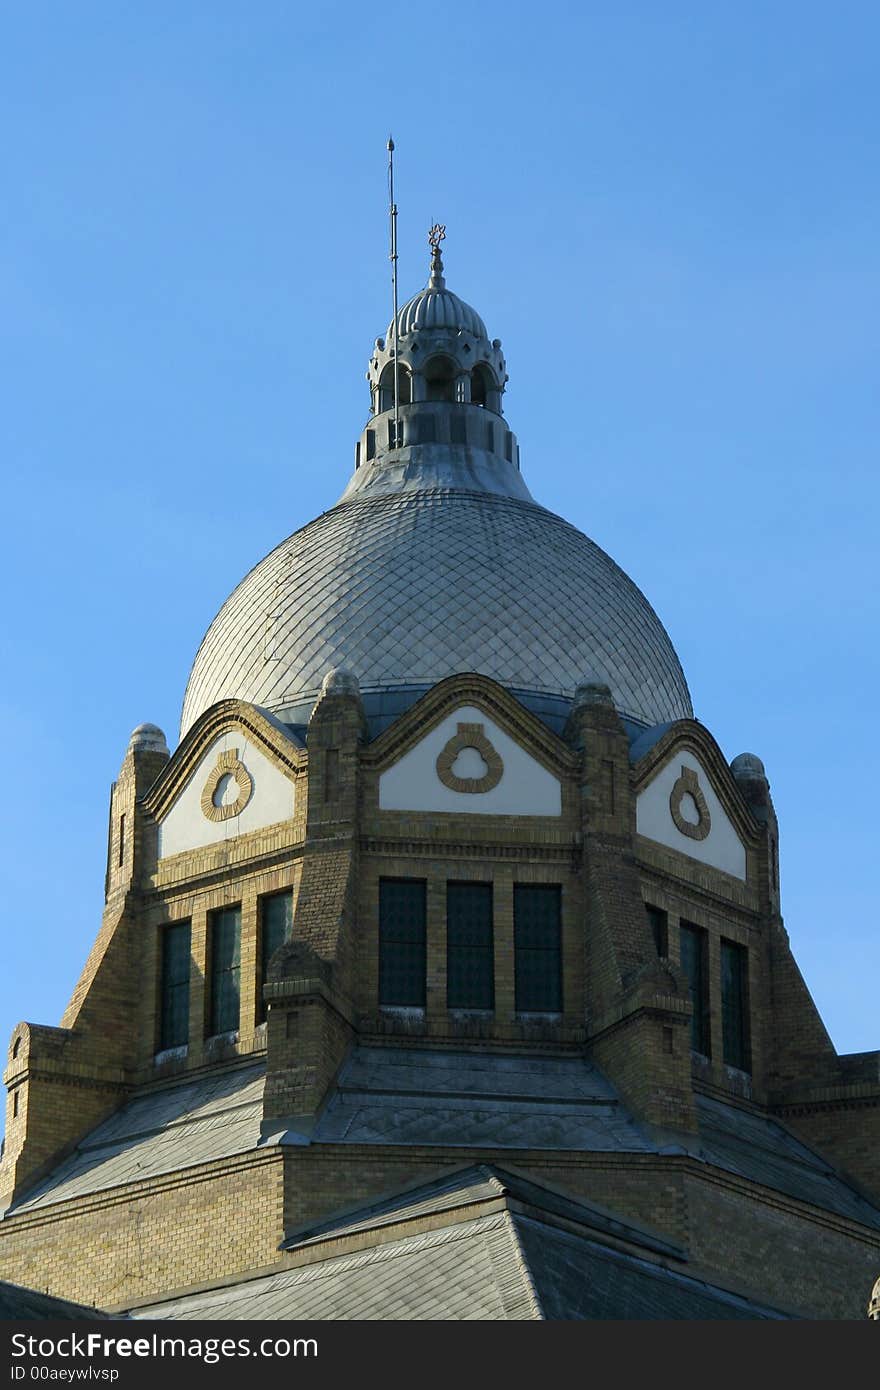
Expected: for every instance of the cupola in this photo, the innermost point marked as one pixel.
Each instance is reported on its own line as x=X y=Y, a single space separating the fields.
x=450 y=378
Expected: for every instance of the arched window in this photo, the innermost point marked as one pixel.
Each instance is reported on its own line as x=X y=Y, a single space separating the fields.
x=386 y=387
x=16 y=1046
x=484 y=387
x=440 y=374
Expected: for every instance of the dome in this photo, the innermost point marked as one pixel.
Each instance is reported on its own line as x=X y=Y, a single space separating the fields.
x=149 y=738
x=403 y=589
x=437 y=561
x=438 y=308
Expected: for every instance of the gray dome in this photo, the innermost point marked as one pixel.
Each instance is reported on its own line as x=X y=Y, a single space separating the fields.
x=436 y=561
x=747 y=765
x=438 y=308
x=403 y=589
x=148 y=737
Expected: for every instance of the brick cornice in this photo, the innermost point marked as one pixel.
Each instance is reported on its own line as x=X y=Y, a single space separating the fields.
x=562 y=853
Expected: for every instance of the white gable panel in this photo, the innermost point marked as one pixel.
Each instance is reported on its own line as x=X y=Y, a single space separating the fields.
x=269 y=798
x=524 y=787
x=721 y=847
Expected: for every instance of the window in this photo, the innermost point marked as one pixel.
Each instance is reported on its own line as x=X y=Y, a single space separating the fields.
x=225 y=965
x=371 y=444
x=440 y=374
x=402 y=960
x=537 y=937
x=15 y=1099
x=470 y=961
x=121 y=840
x=174 y=988
x=426 y=427
x=734 y=1008
x=693 y=962
x=657 y=921
x=490 y=436
x=484 y=387
x=457 y=429
x=395 y=434
x=276 y=924
x=386 y=387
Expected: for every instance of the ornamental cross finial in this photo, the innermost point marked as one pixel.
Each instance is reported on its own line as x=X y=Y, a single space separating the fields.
x=435 y=236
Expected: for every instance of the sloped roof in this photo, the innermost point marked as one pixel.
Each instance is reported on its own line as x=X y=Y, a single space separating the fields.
x=432 y=1098
x=387 y=1095
x=508 y=1259
x=483 y=1186
x=461 y=1272
x=160 y=1131
x=763 y=1150
x=18 y=1304
x=579 y=1279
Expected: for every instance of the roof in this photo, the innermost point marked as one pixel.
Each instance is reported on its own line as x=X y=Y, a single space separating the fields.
x=499 y=1254
x=406 y=588
x=19 y=1304
x=435 y=1099
x=472 y=1188
x=160 y=1131
x=387 y=1095
x=437 y=307
x=761 y=1149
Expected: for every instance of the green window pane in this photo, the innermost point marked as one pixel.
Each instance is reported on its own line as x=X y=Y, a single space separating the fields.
x=470 y=961
x=402 y=958
x=537 y=936
x=734 y=1011
x=276 y=926
x=174 y=989
x=225 y=970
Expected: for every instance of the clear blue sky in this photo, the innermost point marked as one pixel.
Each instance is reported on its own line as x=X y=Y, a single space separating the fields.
x=669 y=214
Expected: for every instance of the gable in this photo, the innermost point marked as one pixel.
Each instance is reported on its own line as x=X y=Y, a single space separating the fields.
x=234 y=789
x=679 y=808
x=468 y=763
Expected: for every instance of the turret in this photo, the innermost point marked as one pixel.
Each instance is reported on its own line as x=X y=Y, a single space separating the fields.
x=448 y=423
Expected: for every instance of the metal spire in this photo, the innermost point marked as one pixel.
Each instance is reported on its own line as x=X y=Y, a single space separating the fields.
x=393 y=258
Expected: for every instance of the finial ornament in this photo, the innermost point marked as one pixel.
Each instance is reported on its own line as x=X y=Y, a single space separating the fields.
x=435 y=236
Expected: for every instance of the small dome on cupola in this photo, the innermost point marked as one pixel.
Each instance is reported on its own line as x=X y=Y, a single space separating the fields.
x=435 y=306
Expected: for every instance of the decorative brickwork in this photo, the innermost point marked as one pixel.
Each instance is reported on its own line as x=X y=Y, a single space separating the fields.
x=688 y=784
x=469 y=736
x=228 y=765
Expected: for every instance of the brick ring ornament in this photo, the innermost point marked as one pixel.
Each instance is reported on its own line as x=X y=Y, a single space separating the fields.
x=688 y=785
x=228 y=765
x=469 y=736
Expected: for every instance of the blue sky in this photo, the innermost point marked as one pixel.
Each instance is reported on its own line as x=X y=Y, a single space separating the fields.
x=669 y=214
